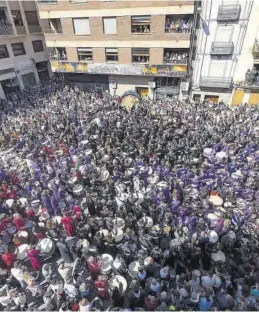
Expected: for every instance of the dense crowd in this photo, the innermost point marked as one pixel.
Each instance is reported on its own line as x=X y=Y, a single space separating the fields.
x=103 y=209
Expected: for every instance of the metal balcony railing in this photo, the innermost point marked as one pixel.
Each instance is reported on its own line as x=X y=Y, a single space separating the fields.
x=167 y=60
x=52 y=31
x=216 y=82
x=229 y=13
x=6 y=30
x=222 y=48
x=47 y=1
x=2 y=4
x=35 y=29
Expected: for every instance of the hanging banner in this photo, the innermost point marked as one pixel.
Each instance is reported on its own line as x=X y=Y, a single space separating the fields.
x=120 y=69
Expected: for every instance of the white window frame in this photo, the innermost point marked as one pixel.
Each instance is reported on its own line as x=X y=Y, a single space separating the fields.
x=89 y=50
x=111 y=32
x=82 y=31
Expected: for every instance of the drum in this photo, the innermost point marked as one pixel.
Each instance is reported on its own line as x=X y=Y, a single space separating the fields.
x=104 y=232
x=107 y=261
x=213 y=237
x=58 y=219
x=59 y=152
x=84 y=142
x=213 y=218
x=21 y=251
x=133 y=268
x=161 y=185
x=46 y=246
x=104 y=175
x=145 y=222
x=117 y=235
x=220 y=156
x=208 y=152
x=119 y=223
x=218 y=256
x=35 y=203
x=23 y=235
x=9 y=203
x=88 y=152
x=78 y=190
x=119 y=282
x=23 y=201
x=72 y=180
x=216 y=200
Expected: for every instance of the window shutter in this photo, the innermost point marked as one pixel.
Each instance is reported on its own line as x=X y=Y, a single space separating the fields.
x=81 y=26
x=110 y=25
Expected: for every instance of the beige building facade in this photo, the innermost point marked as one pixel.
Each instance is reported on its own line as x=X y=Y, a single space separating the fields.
x=121 y=45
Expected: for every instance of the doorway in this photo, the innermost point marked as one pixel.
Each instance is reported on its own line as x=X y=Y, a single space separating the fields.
x=143 y=92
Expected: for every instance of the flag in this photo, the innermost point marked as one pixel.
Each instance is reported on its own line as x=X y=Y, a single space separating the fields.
x=205 y=28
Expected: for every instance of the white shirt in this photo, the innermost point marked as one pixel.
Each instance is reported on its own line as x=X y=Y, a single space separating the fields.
x=70 y=290
x=84 y=308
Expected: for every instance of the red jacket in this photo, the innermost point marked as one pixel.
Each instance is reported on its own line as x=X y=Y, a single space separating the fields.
x=8 y=259
x=93 y=267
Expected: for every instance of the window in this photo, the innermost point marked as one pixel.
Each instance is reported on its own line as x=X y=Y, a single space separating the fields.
x=111 y=55
x=37 y=45
x=140 y=55
x=58 y=54
x=110 y=25
x=81 y=26
x=140 y=24
x=17 y=19
x=3 y=51
x=32 y=18
x=175 y=56
x=85 y=54
x=18 y=49
x=178 y=23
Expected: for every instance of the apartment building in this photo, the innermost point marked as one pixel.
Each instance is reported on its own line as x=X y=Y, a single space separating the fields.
x=120 y=45
x=23 y=54
x=221 y=42
x=246 y=76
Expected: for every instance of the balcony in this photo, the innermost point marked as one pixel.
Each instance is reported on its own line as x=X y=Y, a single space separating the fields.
x=178 y=24
x=252 y=78
x=53 y=31
x=227 y=13
x=222 y=48
x=20 y=30
x=2 y=4
x=57 y=54
x=175 y=56
x=256 y=51
x=47 y=2
x=216 y=82
x=35 y=29
x=6 y=30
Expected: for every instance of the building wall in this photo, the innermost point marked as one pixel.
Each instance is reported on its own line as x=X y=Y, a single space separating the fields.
x=237 y=32
x=23 y=64
x=126 y=83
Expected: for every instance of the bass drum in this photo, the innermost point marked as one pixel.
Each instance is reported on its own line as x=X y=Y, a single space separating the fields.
x=129 y=99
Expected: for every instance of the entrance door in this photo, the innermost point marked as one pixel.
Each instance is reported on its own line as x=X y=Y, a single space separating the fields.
x=238 y=97
x=143 y=92
x=253 y=99
x=212 y=98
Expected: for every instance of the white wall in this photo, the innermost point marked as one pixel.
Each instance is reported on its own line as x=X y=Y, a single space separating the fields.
x=126 y=83
x=236 y=32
